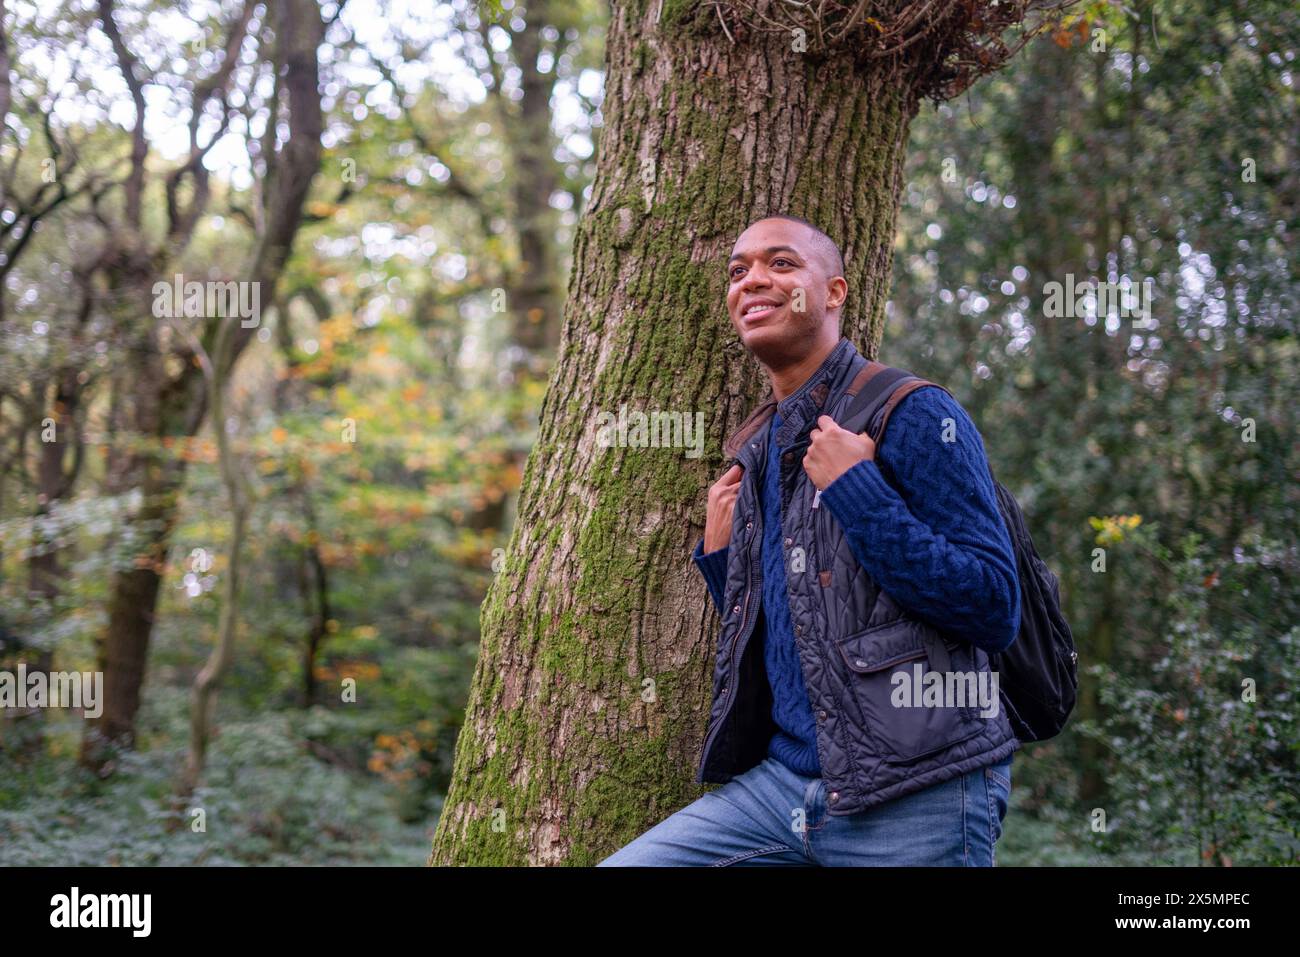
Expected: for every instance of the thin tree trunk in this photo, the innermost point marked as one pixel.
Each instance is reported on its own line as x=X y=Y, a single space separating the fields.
x=208 y=680
x=534 y=294
x=312 y=577
x=316 y=597
x=534 y=298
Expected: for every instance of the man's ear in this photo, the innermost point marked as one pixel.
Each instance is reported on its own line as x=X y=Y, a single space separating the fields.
x=837 y=291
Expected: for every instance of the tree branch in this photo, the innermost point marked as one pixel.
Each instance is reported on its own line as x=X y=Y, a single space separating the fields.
x=139 y=149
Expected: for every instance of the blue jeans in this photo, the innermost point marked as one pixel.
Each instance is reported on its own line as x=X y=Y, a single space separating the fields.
x=771 y=815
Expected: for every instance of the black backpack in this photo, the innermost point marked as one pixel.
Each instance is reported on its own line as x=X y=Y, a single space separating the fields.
x=1038 y=676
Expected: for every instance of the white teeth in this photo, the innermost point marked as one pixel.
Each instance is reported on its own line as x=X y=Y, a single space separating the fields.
x=758 y=309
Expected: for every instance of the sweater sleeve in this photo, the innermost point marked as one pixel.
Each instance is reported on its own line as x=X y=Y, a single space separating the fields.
x=713 y=567
x=922 y=519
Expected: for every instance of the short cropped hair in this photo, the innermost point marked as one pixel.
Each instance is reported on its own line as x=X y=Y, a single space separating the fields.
x=824 y=242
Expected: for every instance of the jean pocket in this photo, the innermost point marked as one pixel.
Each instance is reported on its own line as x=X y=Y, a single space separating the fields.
x=883 y=662
x=998 y=788
x=1000 y=777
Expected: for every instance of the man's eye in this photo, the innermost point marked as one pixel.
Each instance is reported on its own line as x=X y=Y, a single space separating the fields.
x=734 y=269
x=782 y=259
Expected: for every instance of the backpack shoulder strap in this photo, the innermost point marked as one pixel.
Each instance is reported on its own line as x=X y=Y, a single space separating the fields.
x=903 y=390
x=868 y=391
x=874 y=394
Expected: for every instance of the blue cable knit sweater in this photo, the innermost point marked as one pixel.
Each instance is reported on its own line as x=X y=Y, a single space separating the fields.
x=922 y=519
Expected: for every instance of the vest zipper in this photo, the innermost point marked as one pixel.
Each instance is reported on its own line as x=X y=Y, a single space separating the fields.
x=819 y=533
x=732 y=677
x=819 y=538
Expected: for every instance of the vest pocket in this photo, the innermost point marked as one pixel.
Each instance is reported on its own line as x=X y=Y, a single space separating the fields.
x=888 y=664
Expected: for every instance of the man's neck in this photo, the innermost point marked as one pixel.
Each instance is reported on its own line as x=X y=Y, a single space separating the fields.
x=787 y=380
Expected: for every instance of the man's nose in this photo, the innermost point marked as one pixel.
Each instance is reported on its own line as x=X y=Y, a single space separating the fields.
x=756 y=276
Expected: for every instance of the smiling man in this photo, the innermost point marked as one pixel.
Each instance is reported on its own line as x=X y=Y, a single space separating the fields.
x=836 y=569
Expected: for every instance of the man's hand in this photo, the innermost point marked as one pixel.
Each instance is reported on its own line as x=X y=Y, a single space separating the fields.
x=722 y=502
x=834 y=451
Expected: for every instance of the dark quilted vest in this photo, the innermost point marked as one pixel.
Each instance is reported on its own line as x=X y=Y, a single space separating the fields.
x=851 y=636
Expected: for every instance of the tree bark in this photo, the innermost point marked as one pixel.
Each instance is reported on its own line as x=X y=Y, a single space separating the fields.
x=590 y=697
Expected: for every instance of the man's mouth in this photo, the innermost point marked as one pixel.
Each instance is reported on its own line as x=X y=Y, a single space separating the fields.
x=757 y=311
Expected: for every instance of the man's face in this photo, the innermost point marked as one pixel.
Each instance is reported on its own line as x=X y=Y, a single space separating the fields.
x=779 y=290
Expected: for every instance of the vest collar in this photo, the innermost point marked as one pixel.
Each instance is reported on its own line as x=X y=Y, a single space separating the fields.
x=800 y=409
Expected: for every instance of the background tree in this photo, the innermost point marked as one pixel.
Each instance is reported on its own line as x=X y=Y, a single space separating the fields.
x=1142 y=143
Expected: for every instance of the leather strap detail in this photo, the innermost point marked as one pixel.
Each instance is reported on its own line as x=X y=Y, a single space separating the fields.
x=904 y=390
x=864 y=376
x=752 y=422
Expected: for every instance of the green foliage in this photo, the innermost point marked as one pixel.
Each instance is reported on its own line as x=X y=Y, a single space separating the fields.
x=1128 y=163
x=1204 y=744
x=267 y=800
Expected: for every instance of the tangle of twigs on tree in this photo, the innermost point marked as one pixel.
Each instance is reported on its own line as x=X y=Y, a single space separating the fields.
x=945 y=45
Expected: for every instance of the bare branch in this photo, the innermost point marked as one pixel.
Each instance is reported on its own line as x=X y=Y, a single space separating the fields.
x=126 y=62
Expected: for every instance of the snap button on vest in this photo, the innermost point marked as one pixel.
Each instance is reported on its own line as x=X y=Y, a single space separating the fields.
x=789 y=542
x=835 y=796
x=735 y=610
